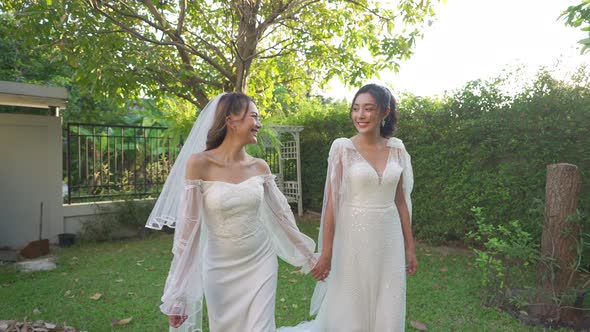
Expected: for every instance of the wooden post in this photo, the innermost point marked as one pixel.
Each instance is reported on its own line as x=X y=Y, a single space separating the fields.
x=559 y=241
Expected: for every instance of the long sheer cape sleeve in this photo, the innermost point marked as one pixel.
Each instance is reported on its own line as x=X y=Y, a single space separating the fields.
x=333 y=192
x=183 y=292
x=407 y=172
x=288 y=242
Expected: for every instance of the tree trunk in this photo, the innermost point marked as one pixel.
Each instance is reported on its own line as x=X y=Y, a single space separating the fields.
x=560 y=239
x=248 y=37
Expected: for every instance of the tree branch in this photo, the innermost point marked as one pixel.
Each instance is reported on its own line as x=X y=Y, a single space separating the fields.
x=213 y=30
x=372 y=11
x=131 y=31
x=212 y=47
x=274 y=47
x=181 y=16
x=176 y=41
x=132 y=15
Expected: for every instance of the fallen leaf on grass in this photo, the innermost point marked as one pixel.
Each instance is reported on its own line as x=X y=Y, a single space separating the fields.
x=151 y=268
x=293 y=281
x=444 y=251
x=116 y=322
x=36 y=311
x=444 y=269
x=418 y=326
x=96 y=296
x=119 y=280
x=436 y=286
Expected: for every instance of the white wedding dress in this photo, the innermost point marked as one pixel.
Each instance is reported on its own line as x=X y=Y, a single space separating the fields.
x=226 y=247
x=366 y=288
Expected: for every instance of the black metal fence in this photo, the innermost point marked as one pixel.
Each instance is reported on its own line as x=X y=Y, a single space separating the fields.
x=105 y=162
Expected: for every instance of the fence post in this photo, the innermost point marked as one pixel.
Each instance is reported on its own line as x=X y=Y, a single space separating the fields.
x=559 y=243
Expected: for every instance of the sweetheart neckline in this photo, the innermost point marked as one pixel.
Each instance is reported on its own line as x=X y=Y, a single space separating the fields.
x=237 y=183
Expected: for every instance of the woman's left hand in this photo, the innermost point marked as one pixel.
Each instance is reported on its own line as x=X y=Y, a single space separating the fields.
x=411 y=262
x=322 y=269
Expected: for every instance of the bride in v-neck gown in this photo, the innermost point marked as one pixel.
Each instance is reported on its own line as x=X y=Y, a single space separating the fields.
x=368 y=238
x=366 y=288
x=365 y=236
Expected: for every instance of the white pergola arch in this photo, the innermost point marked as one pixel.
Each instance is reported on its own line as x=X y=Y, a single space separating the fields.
x=290 y=150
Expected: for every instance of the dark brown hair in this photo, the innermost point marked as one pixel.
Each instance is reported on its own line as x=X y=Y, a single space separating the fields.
x=235 y=103
x=384 y=99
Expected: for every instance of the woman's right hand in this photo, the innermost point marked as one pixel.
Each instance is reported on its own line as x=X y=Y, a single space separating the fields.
x=175 y=321
x=322 y=269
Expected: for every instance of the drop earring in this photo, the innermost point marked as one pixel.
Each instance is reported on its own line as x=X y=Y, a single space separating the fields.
x=383 y=123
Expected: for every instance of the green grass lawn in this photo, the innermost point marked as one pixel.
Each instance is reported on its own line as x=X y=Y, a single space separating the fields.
x=129 y=276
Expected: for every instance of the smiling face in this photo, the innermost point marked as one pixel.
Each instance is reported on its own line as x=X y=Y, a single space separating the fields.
x=366 y=114
x=247 y=124
x=233 y=109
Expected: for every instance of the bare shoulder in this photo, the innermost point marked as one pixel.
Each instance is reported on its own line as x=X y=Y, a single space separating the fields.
x=261 y=166
x=196 y=165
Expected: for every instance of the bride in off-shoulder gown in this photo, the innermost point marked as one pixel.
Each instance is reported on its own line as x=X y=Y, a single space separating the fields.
x=228 y=231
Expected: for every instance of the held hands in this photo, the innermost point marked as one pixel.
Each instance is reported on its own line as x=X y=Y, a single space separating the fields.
x=322 y=269
x=411 y=262
x=175 y=321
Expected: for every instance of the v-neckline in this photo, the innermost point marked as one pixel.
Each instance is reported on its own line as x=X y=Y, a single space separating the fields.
x=380 y=176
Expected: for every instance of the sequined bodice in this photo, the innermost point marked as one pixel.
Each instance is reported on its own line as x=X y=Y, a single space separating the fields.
x=364 y=185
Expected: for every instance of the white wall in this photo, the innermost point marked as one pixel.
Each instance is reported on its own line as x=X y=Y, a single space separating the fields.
x=75 y=215
x=30 y=173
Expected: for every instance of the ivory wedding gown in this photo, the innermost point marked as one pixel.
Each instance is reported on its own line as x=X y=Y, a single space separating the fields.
x=226 y=247
x=366 y=288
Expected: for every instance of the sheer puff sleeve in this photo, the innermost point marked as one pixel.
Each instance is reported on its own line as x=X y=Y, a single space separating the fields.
x=288 y=242
x=183 y=292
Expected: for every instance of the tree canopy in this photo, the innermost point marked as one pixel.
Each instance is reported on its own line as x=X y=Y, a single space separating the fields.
x=578 y=16
x=194 y=49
